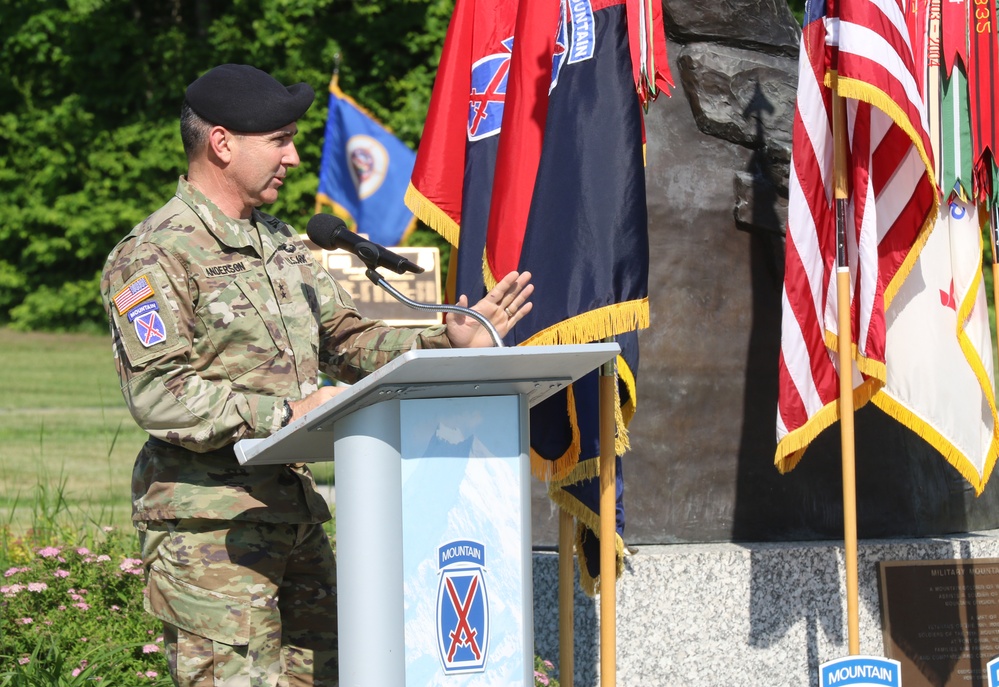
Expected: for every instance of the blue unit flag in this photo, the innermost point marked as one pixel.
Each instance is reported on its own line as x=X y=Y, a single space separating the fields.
x=364 y=172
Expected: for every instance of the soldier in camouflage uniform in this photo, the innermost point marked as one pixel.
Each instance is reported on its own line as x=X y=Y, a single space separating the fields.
x=221 y=322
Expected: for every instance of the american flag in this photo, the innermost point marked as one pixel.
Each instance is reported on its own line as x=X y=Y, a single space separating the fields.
x=135 y=292
x=863 y=50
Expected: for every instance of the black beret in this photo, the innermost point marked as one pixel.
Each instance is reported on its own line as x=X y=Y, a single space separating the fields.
x=246 y=99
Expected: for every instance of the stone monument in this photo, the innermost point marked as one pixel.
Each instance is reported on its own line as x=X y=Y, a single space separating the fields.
x=737 y=573
x=704 y=435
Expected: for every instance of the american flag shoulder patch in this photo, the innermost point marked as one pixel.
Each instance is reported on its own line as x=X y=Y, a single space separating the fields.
x=134 y=292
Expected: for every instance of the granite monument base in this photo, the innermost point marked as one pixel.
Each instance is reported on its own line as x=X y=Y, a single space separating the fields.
x=747 y=614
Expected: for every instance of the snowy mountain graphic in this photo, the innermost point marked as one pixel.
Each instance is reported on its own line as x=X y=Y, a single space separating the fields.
x=462 y=482
x=449 y=442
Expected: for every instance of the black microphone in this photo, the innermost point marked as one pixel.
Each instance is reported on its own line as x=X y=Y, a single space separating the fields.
x=330 y=232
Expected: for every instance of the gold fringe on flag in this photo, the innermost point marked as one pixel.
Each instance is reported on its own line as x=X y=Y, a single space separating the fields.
x=590 y=469
x=585 y=517
x=925 y=430
x=792 y=447
x=431 y=215
x=595 y=325
x=591 y=585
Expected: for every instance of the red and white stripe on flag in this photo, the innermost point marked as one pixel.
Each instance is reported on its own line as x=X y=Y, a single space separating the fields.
x=864 y=51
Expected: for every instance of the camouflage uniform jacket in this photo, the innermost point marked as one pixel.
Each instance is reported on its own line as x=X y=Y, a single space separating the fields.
x=214 y=322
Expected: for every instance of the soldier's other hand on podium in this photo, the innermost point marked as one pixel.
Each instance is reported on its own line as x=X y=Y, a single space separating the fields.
x=312 y=401
x=504 y=306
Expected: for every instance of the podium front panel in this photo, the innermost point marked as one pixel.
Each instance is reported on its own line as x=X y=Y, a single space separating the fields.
x=463 y=529
x=443 y=555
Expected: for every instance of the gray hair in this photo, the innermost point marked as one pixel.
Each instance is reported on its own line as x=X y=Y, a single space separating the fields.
x=193 y=130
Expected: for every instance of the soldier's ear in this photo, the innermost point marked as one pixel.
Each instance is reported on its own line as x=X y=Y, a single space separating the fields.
x=220 y=142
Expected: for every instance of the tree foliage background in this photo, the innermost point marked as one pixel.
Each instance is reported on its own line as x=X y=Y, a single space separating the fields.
x=90 y=92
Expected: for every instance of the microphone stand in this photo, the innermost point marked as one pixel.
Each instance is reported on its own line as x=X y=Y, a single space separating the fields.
x=374 y=276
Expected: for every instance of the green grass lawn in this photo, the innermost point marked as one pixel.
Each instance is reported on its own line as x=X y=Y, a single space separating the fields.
x=66 y=440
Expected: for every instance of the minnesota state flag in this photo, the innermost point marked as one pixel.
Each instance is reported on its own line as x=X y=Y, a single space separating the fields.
x=364 y=172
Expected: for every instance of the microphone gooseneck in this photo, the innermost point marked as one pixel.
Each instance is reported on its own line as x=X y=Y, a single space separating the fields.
x=330 y=233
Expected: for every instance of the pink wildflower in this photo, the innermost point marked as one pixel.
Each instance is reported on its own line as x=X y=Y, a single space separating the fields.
x=103 y=558
x=60 y=573
x=82 y=606
x=83 y=551
x=151 y=674
x=48 y=552
x=10 y=572
x=24 y=660
x=150 y=649
x=76 y=671
x=132 y=566
x=115 y=607
x=25 y=621
x=37 y=586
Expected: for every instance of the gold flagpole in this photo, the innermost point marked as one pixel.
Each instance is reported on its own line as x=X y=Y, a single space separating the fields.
x=566 y=595
x=846 y=409
x=608 y=529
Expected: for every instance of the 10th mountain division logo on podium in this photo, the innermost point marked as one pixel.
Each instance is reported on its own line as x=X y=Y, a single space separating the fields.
x=462 y=607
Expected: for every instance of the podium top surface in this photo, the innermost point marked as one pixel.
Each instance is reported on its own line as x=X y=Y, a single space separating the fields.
x=535 y=372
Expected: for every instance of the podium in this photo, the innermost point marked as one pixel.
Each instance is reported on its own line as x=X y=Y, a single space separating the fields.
x=432 y=461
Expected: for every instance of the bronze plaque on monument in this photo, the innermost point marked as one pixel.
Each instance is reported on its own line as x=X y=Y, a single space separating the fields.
x=941 y=619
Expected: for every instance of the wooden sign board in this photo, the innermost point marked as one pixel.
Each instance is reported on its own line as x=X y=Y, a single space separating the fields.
x=940 y=619
x=372 y=300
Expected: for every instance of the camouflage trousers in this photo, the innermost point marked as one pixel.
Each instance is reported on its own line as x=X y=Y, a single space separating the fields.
x=243 y=604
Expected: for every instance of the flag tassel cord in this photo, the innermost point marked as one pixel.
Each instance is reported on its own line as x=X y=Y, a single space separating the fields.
x=848 y=457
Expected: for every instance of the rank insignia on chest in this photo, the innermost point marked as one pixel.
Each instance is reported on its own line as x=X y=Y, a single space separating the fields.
x=134 y=292
x=462 y=608
x=149 y=328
